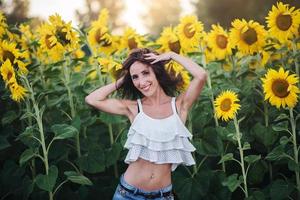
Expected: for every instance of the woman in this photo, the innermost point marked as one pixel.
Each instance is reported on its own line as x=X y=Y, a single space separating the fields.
x=157 y=139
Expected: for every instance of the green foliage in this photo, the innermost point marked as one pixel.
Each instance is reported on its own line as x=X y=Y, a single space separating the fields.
x=47 y=182
x=52 y=143
x=77 y=178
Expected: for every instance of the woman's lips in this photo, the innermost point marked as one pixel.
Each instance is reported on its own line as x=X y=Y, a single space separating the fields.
x=146 y=88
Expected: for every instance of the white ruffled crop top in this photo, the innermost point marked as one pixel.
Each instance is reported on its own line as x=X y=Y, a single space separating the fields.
x=159 y=140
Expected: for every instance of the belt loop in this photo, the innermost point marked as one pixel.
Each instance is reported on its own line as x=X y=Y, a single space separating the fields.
x=161 y=193
x=135 y=190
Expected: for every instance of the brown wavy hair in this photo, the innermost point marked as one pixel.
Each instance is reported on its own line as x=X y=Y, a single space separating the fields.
x=168 y=81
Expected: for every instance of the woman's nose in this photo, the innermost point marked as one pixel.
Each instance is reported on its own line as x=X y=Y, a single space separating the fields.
x=143 y=81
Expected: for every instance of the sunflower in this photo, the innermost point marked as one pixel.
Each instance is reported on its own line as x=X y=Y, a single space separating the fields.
x=280 y=88
x=57 y=37
x=108 y=65
x=3 y=24
x=265 y=57
x=92 y=75
x=259 y=61
x=103 y=17
x=27 y=34
x=283 y=22
x=8 y=50
x=7 y=72
x=26 y=39
x=226 y=105
x=131 y=39
x=218 y=41
x=190 y=32
x=169 y=41
x=101 y=41
x=177 y=69
x=22 y=67
x=99 y=37
x=44 y=57
x=17 y=92
x=78 y=53
x=209 y=56
x=249 y=37
x=48 y=48
x=64 y=35
x=227 y=66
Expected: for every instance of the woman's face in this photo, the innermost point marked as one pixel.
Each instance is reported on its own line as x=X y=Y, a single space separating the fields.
x=143 y=78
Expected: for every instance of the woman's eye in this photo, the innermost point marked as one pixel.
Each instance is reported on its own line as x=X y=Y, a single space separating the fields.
x=145 y=73
x=134 y=77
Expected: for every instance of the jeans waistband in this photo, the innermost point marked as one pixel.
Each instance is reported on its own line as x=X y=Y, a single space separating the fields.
x=138 y=190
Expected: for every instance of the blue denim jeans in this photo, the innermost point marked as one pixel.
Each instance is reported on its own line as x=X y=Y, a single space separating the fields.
x=130 y=192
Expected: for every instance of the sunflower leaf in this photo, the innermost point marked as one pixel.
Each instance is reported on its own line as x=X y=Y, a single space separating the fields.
x=252 y=158
x=226 y=157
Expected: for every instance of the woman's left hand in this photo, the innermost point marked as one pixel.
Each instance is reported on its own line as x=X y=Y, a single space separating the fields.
x=157 y=58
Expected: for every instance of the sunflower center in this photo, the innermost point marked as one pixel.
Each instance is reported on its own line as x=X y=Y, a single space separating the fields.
x=132 y=44
x=48 y=43
x=175 y=46
x=187 y=30
x=280 y=88
x=105 y=42
x=249 y=36
x=98 y=36
x=284 y=22
x=226 y=105
x=221 y=41
x=101 y=40
x=9 y=75
x=8 y=55
x=62 y=36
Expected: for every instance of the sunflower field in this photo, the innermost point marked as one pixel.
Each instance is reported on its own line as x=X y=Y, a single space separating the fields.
x=245 y=124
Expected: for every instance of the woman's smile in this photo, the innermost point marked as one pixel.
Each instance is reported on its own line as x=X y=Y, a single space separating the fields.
x=146 y=88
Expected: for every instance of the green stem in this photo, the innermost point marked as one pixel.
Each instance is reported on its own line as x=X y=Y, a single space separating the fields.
x=266 y=111
x=212 y=102
x=293 y=125
x=66 y=80
x=41 y=130
x=210 y=88
x=43 y=81
x=270 y=167
x=212 y=99
x=266 y=115
x=190 y=128
x=29 y=120
x=200 y=164
x=59 y=186
x=234 y=68
x=238 y=134
x=296 y=61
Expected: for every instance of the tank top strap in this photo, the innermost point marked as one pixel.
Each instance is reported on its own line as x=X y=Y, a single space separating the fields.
x=173 y=105
x=140 y=105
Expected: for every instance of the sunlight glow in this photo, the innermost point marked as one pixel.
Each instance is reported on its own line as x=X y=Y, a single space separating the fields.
x=66 y=9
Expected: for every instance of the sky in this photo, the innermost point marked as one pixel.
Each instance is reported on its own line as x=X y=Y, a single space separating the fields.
x=66 y=9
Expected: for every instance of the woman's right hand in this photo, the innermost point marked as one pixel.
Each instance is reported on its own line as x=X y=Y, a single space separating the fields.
x=161 y=57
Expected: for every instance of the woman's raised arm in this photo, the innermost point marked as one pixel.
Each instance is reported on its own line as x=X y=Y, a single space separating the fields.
x=99 y=100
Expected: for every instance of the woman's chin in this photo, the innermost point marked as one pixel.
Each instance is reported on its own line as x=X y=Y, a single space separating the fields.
x=147 y=93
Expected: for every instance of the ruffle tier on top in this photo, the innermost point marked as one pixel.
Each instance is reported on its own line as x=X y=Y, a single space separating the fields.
x=159 y=140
